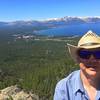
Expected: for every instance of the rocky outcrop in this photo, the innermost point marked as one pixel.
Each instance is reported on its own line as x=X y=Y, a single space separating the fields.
x=15 y=93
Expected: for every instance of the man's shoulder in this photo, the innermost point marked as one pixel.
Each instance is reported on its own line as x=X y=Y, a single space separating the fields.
x=69 y=79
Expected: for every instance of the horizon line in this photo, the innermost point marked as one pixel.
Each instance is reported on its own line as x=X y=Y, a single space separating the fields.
x=47 y=19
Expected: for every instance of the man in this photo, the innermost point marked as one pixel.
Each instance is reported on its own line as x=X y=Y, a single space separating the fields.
x=83 y=84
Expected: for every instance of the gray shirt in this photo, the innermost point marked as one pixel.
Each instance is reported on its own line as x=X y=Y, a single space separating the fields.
x=71 y=88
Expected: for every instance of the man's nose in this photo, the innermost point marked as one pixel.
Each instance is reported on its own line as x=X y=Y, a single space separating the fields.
x=92 y=57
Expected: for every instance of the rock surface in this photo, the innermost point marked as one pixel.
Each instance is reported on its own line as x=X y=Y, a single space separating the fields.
x=15 y=93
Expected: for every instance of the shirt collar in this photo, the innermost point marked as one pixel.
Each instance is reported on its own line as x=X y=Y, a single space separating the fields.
x=98 y=95
x=78 y=86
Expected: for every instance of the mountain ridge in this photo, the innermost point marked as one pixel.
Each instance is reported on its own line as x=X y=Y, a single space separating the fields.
x=53 y=27
x=66 y=18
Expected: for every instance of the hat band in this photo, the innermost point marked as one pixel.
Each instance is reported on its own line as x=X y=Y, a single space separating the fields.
x=90 y=44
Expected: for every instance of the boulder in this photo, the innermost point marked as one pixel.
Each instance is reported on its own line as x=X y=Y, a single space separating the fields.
x=15 y=93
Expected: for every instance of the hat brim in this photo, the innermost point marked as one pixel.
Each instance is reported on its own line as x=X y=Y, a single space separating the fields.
x=73 y=51
x=90 y=47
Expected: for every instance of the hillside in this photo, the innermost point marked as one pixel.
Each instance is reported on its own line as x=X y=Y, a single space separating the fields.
x=35 y=65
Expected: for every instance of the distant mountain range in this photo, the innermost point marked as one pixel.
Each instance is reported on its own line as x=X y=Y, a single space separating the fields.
x=53 y=27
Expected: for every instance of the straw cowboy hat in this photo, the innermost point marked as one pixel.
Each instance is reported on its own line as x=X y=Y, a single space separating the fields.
x=88 y=41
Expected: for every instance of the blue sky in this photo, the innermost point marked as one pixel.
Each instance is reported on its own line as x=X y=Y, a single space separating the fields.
x=12 y=10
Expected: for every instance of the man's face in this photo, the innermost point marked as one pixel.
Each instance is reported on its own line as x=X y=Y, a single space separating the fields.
x=90 y=61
